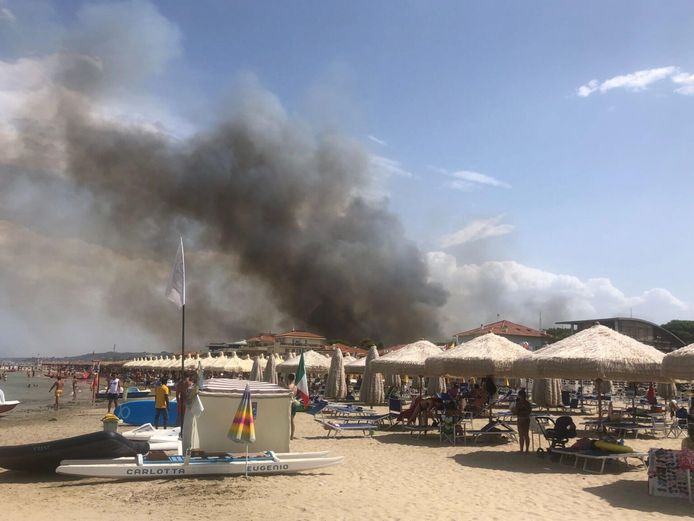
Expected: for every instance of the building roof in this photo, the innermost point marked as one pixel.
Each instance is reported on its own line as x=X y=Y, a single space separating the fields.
x=504 y=328
x=610 y=322
x=263 y=337
x=348 y=349
x=300 y=334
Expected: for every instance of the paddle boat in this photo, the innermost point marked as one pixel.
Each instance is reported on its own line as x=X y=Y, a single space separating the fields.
x=131 y=392
x=47 y=455
x=142 y=411
x=7 y=406
x=159 y=465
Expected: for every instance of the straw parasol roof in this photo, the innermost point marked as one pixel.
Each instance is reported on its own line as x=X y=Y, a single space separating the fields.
x=246 y=364
x=356 y=367
x=371 y=392
x=348 y=359
x=313 y=363
x=409 y=359
x=257 y=370
x=336 y=387
x=270 y=373
x=679 y=365
x=233 y=364
x=488 y=354
x=594 y=353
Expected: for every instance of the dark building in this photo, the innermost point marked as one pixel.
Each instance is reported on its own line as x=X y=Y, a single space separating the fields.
x=642 y=330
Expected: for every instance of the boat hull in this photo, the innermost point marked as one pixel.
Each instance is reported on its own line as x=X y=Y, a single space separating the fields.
x=46 y=456
x=137 y=468
x=142 y=411
x=8 y=406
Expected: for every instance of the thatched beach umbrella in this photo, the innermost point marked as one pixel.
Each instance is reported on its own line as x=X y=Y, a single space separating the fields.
x=356 y=367
x=546 y=392
x=666 y=390
x=233 y=364
x=336 y=387
x=409 y=359
x=313 y=363
x=604 y=387
x=679 y=365
x=436 y=385
x=270 y=373
x=484 y=355
x=246 y=364
x=371 y=392
x=256 y=370
x=596 y=353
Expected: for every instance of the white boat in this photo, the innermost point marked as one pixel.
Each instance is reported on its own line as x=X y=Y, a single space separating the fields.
x=158 y=439
x=140 y=467
x=6 y=406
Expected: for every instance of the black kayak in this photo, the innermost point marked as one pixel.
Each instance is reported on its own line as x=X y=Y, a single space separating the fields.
x=46 y=456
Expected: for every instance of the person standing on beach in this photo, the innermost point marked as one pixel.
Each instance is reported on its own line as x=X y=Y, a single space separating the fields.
x=58 y=385
x=522 y=410
x=113 y=391
x=183 y=389
x=74 y=387
x=161 y=404
x=292 y=389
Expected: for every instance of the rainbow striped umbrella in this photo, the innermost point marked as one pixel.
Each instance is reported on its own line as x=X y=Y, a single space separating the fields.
x=242 y=429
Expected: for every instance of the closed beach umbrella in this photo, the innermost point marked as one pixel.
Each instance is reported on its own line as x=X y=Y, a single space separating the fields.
x=436 y=385
x=679 y=365
x=667 y=391
x=270 y=373
x=393 y=380
x=313 y=363
x=484 y=355
x=256 y=370
x=371 y=392
x=546 y=392
x=409 y=359
x=242 y=429
x=596 y=353
x=604 y=387
x=336 y=387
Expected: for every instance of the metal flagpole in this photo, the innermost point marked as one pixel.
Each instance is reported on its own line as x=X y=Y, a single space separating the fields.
x=183 y=338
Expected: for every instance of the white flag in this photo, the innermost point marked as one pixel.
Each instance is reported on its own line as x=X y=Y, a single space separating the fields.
x=176 y=289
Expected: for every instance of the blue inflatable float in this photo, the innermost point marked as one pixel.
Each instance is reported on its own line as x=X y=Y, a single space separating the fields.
x=142 y=411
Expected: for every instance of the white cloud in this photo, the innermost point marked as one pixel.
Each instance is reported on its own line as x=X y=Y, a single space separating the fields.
x=467 y=180
x=6 y=15
x=377 y=141
x=477 y=230
x=388 y=167
x=478 y=292
x=641 y=80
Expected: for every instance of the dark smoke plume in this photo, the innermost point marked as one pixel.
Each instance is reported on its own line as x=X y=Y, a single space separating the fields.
x=265 y=196
x=282 y=199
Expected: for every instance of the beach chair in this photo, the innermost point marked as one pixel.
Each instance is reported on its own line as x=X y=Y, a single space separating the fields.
x=495 y=428
x=336 y=427
x=557 y=432
x=317 y=407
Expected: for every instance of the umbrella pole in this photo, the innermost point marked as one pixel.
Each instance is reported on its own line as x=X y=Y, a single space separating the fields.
x=599 y=382
x=246 y=460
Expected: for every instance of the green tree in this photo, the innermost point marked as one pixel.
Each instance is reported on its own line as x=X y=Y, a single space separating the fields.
x=558 y=333
x=684 y=329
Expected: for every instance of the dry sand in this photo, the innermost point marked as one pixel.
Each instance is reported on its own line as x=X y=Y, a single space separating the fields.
x=390 y=476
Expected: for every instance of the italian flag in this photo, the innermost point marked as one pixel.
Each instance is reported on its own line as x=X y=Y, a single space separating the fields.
x=302 y=382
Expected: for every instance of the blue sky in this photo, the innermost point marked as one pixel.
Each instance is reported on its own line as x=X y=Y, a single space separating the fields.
x=533 y=150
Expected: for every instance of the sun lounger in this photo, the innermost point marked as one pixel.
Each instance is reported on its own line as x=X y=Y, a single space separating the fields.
x=336 y=427
x=496 y=428
x=597 y=455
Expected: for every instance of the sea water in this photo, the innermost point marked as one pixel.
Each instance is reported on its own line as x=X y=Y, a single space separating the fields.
x=33 y=393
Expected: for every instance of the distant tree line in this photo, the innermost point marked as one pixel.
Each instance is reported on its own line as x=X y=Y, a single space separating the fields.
x=684 y=329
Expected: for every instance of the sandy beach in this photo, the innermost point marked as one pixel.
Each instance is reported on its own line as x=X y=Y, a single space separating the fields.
x=391 y=476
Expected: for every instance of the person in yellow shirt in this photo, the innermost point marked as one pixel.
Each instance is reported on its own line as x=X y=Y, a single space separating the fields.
x=161 y=404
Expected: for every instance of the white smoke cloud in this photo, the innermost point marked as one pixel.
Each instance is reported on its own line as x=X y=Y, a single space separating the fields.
x=480 y=292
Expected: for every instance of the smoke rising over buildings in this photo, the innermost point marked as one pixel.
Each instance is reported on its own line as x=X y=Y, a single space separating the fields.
x=273 y=214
